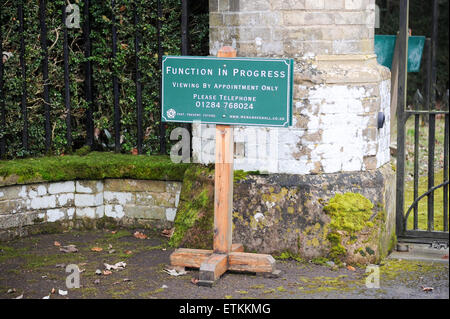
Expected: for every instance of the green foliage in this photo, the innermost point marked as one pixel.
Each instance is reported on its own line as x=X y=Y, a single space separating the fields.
x=349 y=212
x=420 y=22
x=95 y=165
x=104 y=67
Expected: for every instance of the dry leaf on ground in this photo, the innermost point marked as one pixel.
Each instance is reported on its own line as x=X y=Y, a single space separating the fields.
x=96 y=248
x=107 y=272
x=57 y=243
x=194 y=280
x=351 y=268
x=139 y=235
x=167 y=232
x=68 y=249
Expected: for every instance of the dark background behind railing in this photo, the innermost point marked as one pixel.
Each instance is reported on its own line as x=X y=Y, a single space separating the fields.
x=98 y=85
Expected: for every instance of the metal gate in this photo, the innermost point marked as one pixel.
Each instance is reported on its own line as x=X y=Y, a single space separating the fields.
x=413 y=231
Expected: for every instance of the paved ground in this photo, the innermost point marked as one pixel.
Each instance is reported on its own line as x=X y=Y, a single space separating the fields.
x=33 y=266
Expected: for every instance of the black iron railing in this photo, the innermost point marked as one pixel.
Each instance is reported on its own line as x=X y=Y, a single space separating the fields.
x=88 y=86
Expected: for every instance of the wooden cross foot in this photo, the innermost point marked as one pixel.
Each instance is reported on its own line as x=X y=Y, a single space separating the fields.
x=213 y=265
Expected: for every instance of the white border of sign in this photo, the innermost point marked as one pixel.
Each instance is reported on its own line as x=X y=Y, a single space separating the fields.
x=289 y=91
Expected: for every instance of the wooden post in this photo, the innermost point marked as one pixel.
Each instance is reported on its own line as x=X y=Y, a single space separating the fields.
x=225 y=255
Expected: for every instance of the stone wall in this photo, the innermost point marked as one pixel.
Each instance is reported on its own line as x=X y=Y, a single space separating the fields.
x=339 y=88
x=127 y=201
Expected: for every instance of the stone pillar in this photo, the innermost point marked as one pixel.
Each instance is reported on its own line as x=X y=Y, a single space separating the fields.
x=334 y=146
x=339 y=88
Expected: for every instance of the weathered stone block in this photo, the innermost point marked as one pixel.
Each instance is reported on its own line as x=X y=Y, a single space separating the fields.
x=334 y=4
x=43 y=202
x=315 y=4
x=54 y=215
x=358 y=17
x=288 y=4
x=89 y=187
x=12 y=206
x=173 y=187
x=356 y=4
x=145 y=212
x=121 y=198
x=85 y=200
x=128 y=185
x=12 y=192
x=65 y=199
x=114 y=211
x=64 y=187
x=85 y=212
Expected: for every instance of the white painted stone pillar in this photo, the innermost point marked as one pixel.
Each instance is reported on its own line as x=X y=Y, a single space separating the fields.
x=339 y=88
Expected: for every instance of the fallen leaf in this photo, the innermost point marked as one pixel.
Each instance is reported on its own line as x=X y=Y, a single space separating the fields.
x=10 y=291
x=126 y=280
x=57 y=243
x=109 y=246
x=117 y=266
x=174 y=272
x=96 y=248
x=167 y=232
x=68 y=249
x=194 y=280
x=113 y=231
x=107 y=272
x=427 y=289
x=60 y=265
x=351 y=268
x=62 y=292
x=53 y=290
x=96 y=281
x=139 y=235
x=112 y=251
x=128 y=252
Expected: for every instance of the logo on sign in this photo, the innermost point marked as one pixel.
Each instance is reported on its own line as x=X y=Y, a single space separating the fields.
x=171 y=113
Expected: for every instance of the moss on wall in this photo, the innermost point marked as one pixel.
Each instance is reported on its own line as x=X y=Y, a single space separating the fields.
x=354 y=229
x=195 y=214
x=95 y=165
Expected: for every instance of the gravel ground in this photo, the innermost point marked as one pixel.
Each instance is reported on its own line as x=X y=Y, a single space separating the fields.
x=32 y=267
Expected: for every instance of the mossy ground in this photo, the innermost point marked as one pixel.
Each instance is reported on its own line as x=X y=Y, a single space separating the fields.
x=29 y=266
x=423 y=204
x=95 y=165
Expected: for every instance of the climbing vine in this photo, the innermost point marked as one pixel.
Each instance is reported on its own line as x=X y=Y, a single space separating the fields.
x=104 y=67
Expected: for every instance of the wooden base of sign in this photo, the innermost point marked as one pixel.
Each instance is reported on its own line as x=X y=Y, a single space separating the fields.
x=225 y=256
x=213 y=265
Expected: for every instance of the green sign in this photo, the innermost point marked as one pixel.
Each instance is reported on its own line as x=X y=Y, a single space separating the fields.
x=234 y=91
x=385 y=46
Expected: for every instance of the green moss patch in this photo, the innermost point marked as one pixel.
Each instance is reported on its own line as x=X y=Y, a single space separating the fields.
x=195 y=215
x=350 y=214
x=95 y=165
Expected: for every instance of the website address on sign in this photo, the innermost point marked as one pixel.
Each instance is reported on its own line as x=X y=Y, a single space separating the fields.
x=250 y=117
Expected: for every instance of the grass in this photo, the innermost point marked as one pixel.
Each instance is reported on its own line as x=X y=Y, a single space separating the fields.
x=423 y=203
x=95 y=165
